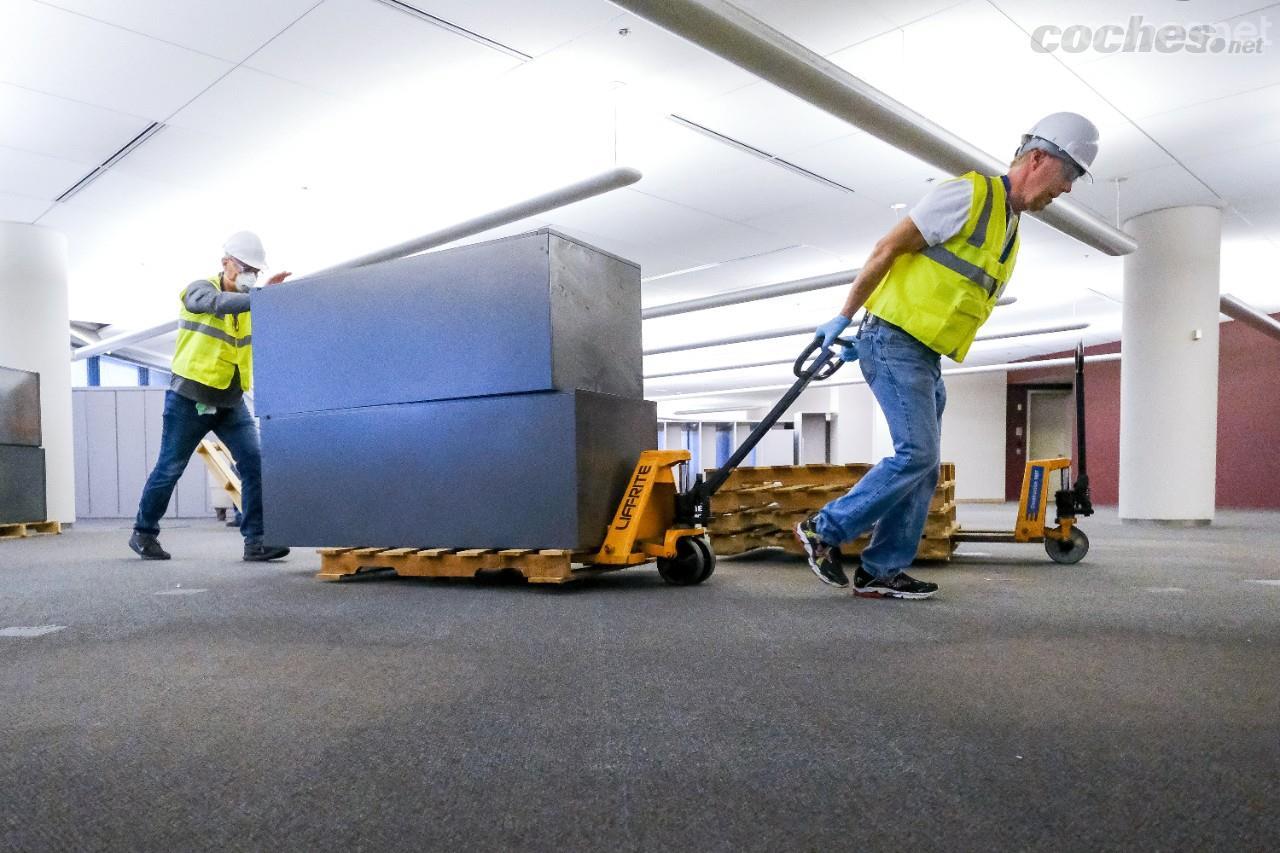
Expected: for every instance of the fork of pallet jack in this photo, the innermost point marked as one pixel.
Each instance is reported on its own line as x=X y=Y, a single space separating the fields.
x=694 y=506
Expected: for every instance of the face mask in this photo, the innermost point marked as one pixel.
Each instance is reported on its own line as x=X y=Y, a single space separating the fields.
x=245 y=281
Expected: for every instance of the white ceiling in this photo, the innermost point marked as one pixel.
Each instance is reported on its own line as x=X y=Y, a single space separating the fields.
x=334 y=127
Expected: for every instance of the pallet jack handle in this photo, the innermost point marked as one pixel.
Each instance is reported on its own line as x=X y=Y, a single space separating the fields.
x=694 y=506
x=1077 y=501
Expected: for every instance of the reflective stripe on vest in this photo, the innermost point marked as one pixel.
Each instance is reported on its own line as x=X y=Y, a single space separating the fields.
x=973 y=272
x=212 y=349
x=942 y=294
x=214 y=332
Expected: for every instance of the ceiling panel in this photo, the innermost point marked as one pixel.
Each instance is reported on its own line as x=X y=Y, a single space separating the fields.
x=1236 y=122
x=249 y=103
x=365 y=50
x=696 y=171
x=38 y=176
x=227 y=29
x=655 y=69
x=680 y=235
x=58 y=127
x=54 y=51
x=873 y=168
x=531 y=28
x=186 y=157
x=847 y=226
x=1241 y=174
x=21 y=208
x=765 y=117
x=1143 y=84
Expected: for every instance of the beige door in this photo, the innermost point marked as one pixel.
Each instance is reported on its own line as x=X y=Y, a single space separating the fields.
x=1049 y=424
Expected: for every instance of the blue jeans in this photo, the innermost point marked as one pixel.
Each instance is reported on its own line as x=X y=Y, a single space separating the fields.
x=894 y=496
x=183 y=430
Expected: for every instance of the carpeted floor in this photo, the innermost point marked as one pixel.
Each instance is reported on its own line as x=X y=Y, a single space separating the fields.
x=1129 y=702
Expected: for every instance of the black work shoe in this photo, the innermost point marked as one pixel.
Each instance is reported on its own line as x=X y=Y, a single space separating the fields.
x=259 y=553
x=824 y=558
x=901 y=585
x=147 y=546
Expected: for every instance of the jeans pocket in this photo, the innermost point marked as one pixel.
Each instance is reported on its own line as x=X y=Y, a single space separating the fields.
x=867 y=361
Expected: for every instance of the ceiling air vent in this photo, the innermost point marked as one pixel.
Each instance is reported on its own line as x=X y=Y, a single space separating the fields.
x=739 y=145
x=456 y=30
x=152 y=130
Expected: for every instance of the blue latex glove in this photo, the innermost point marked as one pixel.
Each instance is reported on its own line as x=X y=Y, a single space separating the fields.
x=850 y=351
x=831 y=330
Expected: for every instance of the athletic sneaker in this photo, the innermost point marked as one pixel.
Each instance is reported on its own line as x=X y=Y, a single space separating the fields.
x=824 y=558
x=147 y=546
x=901 y=585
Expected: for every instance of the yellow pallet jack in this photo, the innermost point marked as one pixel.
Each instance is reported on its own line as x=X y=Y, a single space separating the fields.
x=1064 y=541
x=657 y=521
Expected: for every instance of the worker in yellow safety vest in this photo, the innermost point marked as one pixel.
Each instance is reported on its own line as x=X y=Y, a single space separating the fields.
x=212 y=368
x=928 y=286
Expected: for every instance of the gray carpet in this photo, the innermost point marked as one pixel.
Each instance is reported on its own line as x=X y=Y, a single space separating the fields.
x=1129 y=702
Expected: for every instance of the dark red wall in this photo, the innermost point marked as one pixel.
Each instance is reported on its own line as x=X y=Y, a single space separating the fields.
x=1248 y=420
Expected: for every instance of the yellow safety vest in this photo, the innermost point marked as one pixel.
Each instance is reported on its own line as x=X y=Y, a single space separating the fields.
x=941 y=295
x=210 y=348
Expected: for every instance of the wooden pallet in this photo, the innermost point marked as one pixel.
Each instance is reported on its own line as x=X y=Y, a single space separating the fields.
x=943 y=495
x=547 y=566
x=22 y=530
x=737 y=500
x=740 y=522
x=797 y=475
x=219 y=461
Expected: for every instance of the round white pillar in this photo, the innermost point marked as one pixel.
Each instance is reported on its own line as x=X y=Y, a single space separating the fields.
x=35 y=335
x=1169 y=373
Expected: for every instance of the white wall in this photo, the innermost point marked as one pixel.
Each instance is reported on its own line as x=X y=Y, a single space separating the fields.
x=973 y=434
x=117 y=441
x=973 y=428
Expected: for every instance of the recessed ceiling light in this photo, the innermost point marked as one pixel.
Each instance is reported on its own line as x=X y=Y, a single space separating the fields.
x=897 y=206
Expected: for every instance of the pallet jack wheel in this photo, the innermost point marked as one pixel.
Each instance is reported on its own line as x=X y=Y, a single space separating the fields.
x=693 y=563
x=1070 y=551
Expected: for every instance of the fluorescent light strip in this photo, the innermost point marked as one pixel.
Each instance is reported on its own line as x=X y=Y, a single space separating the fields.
x=1010 y=367
x=415 y=12
x=739 y=145
x=151 y=130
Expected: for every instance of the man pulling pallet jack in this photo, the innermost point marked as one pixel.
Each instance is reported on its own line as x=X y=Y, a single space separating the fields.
x=928 y=286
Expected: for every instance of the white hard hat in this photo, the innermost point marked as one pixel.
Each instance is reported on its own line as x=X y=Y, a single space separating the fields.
x=1069 y=136
x=246 y=248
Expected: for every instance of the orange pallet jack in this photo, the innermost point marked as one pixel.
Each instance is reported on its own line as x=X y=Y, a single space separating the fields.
x=657 y=521
x=1064 y=541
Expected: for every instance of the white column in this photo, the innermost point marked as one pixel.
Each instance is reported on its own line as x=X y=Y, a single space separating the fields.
x=1169 y=373
x=35 y=335
x=861 y=433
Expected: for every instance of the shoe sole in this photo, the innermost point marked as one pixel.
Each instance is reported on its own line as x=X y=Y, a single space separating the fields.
x=808 y=549
x=866 y=592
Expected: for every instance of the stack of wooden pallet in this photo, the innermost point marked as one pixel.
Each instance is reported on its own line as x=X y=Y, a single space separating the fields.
x=760 y=507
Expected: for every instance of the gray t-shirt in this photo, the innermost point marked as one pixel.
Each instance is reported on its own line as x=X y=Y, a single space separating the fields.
x=202 y=297
x=941 y=214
